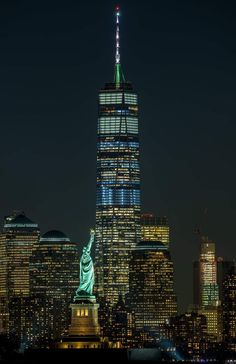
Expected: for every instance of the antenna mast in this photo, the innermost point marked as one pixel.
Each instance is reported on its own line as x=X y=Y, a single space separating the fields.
x=118 y=73
x=117 y=35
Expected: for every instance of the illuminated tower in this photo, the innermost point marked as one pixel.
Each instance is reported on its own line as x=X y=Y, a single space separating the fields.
x=17 y=242
x=118 y=183
x=206 y=272
x=206 y=290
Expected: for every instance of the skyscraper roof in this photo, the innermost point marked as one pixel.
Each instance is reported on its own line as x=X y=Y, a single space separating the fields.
x=54 y=236
x=151 y=245
x=19 y=221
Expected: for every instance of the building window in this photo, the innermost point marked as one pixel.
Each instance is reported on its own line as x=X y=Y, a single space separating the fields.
x=82 y=312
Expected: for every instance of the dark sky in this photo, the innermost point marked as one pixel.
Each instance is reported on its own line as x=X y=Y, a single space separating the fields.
x=180 y=57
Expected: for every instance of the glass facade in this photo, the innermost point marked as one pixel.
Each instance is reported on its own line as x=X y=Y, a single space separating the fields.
x=118 y=188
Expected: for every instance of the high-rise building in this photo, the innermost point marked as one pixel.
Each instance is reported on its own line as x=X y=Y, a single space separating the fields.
x=151 y=296
x=155 y=229
x=118 y=183
x=229 y=309
x=206 y=290
x=224 y=267
x=54 y=276
x=17 y=242
x=205 y=272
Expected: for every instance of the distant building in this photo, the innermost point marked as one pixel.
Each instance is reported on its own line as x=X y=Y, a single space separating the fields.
x=229 y=309
x=151 y=296
x=187 y=331
x=54 y=276
x=206 y=290
x=213 y=316
x=223 y=269
x=155 y=229
x=17 y=242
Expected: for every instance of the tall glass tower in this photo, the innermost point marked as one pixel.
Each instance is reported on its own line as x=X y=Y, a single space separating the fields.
x=118 y=183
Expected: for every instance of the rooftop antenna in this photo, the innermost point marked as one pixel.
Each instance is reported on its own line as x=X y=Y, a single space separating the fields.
x=118 y=72
x=117 y=35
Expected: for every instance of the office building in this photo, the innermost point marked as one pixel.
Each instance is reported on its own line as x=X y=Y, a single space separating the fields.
x=151 y=296
x=18 y=240
x=118 y=183
x=54 y=276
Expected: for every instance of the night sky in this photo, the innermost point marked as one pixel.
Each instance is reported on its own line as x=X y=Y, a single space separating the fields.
x=180 y=57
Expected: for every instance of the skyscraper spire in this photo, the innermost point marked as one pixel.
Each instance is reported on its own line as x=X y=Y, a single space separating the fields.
x=118 y=72
x=117 y=35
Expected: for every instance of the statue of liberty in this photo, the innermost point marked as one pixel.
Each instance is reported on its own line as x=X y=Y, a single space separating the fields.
x=86 y=270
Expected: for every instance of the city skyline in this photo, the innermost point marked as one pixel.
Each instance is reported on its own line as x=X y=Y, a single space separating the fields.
x=77 y=214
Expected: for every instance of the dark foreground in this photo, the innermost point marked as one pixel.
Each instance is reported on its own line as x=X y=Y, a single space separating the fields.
x=96 y=356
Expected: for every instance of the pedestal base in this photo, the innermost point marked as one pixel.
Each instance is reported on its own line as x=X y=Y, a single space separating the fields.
x=84 y=331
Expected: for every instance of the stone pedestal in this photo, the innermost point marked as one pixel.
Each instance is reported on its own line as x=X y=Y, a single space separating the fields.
x=84 y=330
x=84 y=317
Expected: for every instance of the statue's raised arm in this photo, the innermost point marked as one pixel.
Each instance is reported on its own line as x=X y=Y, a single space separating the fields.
x=91 y=240
x=86 y=270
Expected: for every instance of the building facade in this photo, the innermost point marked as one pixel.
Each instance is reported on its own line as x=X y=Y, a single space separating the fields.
x=151 y=296
x=54 y=277
x=155 y=229
x=18 y=240
x=118 y=184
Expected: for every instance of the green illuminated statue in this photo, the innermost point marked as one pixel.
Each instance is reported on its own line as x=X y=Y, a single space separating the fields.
x=86 y=270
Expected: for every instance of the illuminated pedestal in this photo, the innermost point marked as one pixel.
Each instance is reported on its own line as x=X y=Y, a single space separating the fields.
x=84 y=330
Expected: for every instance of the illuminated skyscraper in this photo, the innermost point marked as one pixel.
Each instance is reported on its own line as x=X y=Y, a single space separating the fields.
x=151 y=296
x=155 y=229
x=206 y=275
x=17 y=242
x=54 y=276
x=118 y=183
x=206 y=290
